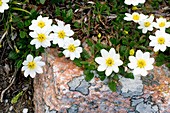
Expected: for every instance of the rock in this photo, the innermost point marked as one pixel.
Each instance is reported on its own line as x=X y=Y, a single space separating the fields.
x=131 y=87
x=79 y=84
x=63 y=89
x=146 y=108
x=73 y=109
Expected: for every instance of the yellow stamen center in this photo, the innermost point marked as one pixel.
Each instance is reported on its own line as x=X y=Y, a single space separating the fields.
x=61 y=34
x=41 y=37
x=136 y=17
x=110 y=61
x=161 y=24
x=41 y=24
x=1 y=2
x=71 y=48
x=32 y=65
x=147 y=24
x=141 y=63
x=161 y=40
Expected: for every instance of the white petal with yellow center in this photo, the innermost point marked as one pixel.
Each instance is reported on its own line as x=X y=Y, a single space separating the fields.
x=72 y=48
x=161 y=23
x=109 y=61
x=41 y=23
x=160 y=41
x=136 y=17
x=40 y=38
x=147 y=24
x=140 y=63
x=31 y=66
x=61 y=32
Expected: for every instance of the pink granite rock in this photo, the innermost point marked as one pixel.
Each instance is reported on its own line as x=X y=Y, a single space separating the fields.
x=62 y=88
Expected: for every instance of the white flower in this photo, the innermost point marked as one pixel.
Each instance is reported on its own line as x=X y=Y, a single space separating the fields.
x=25 y=110
x=147 y=24
x=71 y=48
x=61 y=32
x=3 y=5
x=161 y=24
x=141 y=63
x=160 y=41
x=109 y=61
x=134 y=2
x=136 y=17
x=41 y=38
x=40 y=23
x=32 y=66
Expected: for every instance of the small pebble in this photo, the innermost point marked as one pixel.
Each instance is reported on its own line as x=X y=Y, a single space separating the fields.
x=25 y=110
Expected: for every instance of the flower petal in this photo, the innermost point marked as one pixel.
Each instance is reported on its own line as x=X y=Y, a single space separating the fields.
x=108 y=71
x=29 y=58
x=104 y=53
x=101 y=67
x=100 y=60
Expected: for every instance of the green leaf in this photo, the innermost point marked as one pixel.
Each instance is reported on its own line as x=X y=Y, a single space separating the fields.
x=122 y=70
x=57 y=11
x=15 y=99
x=77 y=62
x=125 y=41
x=27 y=23
x=132 y=43
x=129 y=75
x=70 y=13
x=159 y=63
x=19 y=63
x=89 y=42
x=99 y=46
x=122 y=50
x=77 y=25
x=22 y=34
x=13 y=55
x=20 y=25
x=113 y=41
x=42 y=1
x=89 y=75
x=60 y=54
x=112 y=86
x=85 y=55
x=115 y=77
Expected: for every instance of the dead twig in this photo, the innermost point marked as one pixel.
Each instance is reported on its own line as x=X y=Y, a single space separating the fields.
x=13 y=79
x=3 y=36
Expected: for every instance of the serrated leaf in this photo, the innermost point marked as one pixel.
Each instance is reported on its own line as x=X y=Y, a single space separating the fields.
x=112 y=86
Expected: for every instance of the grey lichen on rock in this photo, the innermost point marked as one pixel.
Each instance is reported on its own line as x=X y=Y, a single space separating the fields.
x=79 y=84
x=131 y=87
